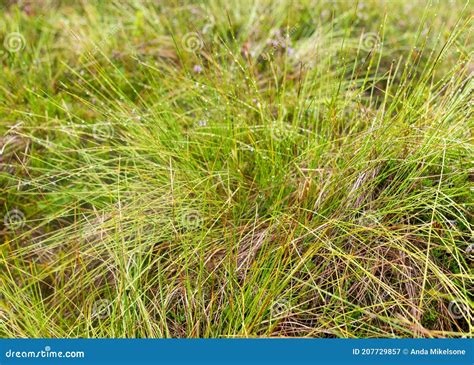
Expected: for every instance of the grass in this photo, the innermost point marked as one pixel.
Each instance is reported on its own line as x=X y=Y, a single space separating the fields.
x=238 y=168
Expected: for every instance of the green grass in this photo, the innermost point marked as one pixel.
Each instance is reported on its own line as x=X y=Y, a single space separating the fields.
x=236 y=168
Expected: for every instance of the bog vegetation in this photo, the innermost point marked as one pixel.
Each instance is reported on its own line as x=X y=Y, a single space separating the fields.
x=236 y=168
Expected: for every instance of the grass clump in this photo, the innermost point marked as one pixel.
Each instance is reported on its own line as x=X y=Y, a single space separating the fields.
x=236 y=169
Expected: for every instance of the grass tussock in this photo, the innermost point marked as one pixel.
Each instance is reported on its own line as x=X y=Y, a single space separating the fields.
x=236 y=169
